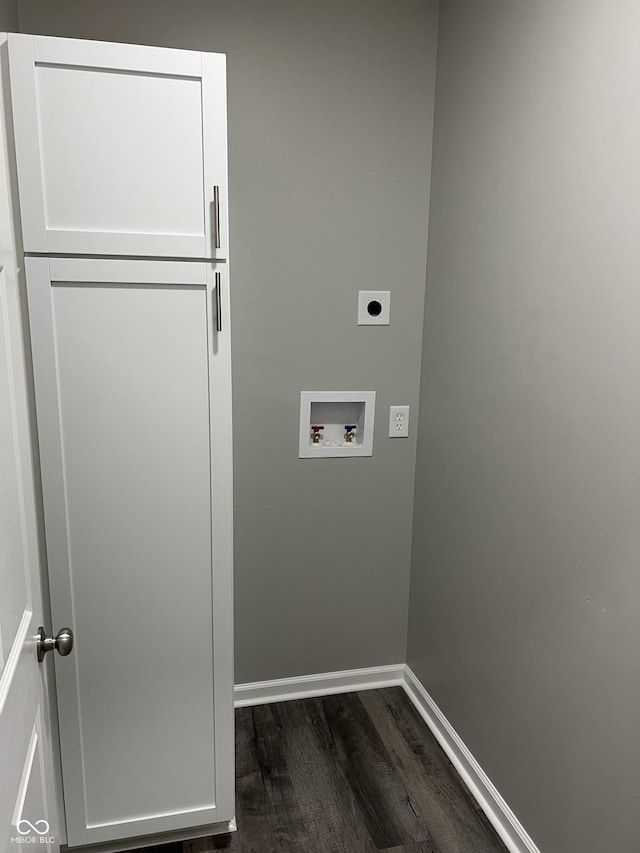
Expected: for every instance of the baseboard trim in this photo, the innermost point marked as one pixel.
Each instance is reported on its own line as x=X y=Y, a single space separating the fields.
x=506 y=824
x=323 y=684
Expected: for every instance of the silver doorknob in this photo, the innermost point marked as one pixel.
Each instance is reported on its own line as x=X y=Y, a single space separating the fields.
x=62 y=642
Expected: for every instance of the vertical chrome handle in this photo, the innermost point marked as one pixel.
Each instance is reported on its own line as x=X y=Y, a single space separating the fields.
x=216 y=217
x=218 y=303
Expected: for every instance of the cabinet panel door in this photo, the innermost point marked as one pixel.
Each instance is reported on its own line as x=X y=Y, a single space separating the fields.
x=119 y=148
x=131 y=389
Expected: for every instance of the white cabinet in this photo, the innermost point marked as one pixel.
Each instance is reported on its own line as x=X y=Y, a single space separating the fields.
x=132 y=388
x=121 y=158
x=121 y=149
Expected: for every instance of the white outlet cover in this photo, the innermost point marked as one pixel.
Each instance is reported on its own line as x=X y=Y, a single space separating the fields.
x=398 y=421
x=370 y=302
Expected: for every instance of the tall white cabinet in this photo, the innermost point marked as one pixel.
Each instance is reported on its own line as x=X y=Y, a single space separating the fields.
x=122 y=175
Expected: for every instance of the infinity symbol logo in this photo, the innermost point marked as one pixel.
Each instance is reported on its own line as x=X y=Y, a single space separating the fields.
x=41 y=827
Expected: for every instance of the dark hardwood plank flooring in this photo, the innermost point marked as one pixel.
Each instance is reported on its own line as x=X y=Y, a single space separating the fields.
x=350 y=773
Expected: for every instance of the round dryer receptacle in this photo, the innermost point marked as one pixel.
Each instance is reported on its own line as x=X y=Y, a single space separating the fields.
x=374 y=307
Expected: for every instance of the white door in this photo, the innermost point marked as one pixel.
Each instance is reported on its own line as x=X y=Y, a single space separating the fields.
x=29 y=808
x=121 y=149
x=133 y=398
x=27 y=815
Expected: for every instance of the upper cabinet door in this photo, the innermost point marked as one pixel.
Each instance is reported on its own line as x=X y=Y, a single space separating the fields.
x=121 y=149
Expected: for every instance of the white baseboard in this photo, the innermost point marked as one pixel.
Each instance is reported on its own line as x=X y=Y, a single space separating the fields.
x=506 y=824
x=485 y=793
x=305 y=686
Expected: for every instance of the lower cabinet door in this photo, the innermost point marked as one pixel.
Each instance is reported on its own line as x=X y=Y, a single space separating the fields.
x=133 y=400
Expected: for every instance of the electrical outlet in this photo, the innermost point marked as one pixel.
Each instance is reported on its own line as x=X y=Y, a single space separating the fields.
x=398 y=421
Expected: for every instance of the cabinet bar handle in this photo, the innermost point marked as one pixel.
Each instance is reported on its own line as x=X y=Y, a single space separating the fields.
x=216 y=216
x=218 y=303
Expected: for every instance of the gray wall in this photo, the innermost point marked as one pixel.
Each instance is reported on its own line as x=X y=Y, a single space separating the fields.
x=330 y=124
x=8 y=16
x=525 y=599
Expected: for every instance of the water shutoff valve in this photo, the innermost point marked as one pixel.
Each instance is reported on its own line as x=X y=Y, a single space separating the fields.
x=350 y=432
x=316 y=433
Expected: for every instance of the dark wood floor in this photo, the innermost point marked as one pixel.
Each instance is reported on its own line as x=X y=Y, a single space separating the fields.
x=352 y=773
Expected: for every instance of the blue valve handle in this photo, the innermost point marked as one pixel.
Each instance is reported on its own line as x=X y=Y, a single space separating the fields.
x=349 y=427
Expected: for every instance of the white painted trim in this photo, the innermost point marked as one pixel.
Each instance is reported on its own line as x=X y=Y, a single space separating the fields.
x=26 y=776
x=121 y=271
x=323 y=684
x=14 y=656
x=506 y=824
x=136 y=819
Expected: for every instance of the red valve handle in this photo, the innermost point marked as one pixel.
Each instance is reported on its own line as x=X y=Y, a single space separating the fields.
x=317 y=428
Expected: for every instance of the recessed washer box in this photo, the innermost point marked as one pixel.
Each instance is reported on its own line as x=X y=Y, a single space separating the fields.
x=334 y=411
